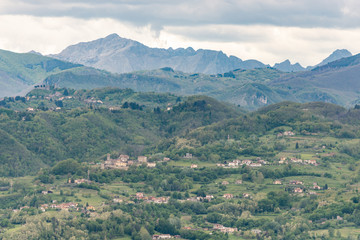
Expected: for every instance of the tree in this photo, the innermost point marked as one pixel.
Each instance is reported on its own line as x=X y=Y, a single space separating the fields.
x=144 y=234
x=125 y=105
x=66 y=166
x=297 y=145
x=59 y=103
x=166 y=227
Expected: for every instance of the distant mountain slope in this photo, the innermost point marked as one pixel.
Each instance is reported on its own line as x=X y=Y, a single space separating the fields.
x=286 y=66
x=232 y=86
x=120 y=55
x=18 y=71
x=336 y=82
x=336 y=55
x=340 y=63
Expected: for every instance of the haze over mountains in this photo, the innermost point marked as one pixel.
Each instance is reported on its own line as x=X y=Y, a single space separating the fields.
x=120 y=55
x=250 y=84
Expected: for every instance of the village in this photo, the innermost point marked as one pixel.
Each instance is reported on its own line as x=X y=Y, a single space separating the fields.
x=123 y=162
x=230 y=188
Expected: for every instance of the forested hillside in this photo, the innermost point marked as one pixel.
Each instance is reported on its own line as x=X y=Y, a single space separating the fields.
x=35 y=138
x=136 y=165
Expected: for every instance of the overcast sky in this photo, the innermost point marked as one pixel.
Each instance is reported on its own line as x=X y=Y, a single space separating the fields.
x=304 y=31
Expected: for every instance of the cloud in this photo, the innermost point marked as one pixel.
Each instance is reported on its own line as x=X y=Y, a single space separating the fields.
x=269 y=44
x=21 y=33
x=290 y=13
x=268 y=30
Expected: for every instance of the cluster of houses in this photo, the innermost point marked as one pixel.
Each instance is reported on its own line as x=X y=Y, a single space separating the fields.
x=297 y=189
x=227 y=183
x=201 y=199
x=230 y=196
x=79 y=181
x=164 y=236
x=236 y=163
x=301 y=189
x=65 y=97
x=259 y=162
x=150 y=199
x=286 y=133
x=65 y=206
x=284 y=160
x=61 y=206
x=193 y=166
x=223 y=229
x=93 y=100
x=123 y=162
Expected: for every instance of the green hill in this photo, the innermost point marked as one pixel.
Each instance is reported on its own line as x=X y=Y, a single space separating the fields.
x=19 y=71
x=38 y=138
x=231 y=138
x=241 y=87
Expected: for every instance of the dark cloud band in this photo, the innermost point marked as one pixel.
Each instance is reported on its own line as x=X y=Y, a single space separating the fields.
x=305 y=13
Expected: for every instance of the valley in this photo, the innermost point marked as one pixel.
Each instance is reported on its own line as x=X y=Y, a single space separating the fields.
x=217 y=149
x=161 y=166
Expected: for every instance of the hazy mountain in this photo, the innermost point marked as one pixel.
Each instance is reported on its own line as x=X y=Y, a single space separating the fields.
x=35 y=52
x=286 y=66
x=120 y=55
x=336 y=55
x=241 y=87
x=336 y=82
x=340 y=63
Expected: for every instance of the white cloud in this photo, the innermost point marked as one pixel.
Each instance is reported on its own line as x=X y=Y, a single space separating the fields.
x=269 y=44
x=52 y=34
x=305 y=13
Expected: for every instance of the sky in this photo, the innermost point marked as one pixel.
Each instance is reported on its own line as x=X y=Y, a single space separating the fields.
x=270 y=31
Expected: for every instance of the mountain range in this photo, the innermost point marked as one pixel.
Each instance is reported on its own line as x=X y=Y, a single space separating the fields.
x=120 y=55
x=249 y=84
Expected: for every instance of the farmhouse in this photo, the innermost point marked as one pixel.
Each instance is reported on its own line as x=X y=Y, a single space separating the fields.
x=188 y=155
x=124 y=158
x=246 y=162
x=151 y=165
x=139 y=195
x=238 y=182
x=296 y=160
x=233 y=164
x=142 y=159
x=228 y=230
x=161 y=236
x=255 y=165
x=224 y=229
x=228 y=196
x=246 y=195
x=277 y=182
x=296 y=182
x=312 y=162
x=193 y=166
x=288 y=133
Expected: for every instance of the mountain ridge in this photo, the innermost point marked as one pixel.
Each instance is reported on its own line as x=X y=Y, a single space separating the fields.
x=286 y=66
x=119 y=55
